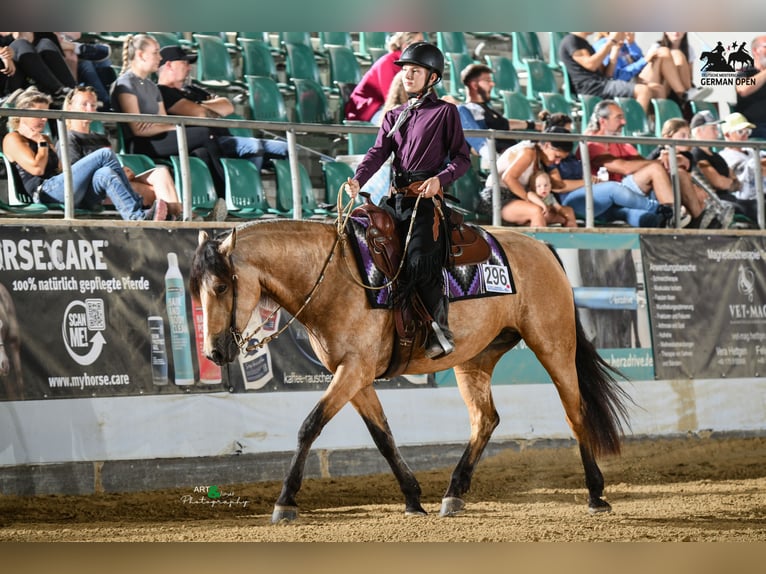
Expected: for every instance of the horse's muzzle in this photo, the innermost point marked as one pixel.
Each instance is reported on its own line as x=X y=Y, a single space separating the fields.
x=225 y=350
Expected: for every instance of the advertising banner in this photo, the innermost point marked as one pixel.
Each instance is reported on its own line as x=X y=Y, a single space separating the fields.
x=708 y=305
x=106 y=312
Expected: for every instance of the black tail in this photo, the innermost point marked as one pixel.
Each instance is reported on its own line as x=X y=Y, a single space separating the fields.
x=604 y=402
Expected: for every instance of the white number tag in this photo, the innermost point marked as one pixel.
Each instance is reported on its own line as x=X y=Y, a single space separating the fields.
x=496 y=278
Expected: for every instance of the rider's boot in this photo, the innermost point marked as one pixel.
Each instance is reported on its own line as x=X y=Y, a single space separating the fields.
x=440 y=341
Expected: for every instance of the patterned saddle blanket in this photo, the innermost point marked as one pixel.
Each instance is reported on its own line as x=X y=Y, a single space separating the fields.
x=488 y=279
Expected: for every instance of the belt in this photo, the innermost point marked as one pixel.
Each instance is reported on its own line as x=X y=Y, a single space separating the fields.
x=405 y=178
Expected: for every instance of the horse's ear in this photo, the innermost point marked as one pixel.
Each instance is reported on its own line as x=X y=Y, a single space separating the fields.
x=202 y=237
x=228 y=244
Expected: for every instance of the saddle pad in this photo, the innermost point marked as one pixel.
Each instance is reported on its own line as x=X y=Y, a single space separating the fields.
x=493 y=277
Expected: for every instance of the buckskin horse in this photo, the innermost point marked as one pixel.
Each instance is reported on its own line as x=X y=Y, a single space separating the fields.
x=291 y=262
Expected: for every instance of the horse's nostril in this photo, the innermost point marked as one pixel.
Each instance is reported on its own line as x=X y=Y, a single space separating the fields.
x=216 y=357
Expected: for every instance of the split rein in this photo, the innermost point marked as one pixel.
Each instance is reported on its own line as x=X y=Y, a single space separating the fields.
x=248 y=341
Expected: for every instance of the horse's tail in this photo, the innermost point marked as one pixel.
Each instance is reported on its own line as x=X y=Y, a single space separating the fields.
x=604 y=402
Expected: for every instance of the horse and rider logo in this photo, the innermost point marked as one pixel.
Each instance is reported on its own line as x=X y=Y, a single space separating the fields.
x=729 y=58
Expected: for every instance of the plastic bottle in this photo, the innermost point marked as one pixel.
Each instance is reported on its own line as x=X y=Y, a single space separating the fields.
x=158 y=357
x=180 y=340
x=603 y=174
x=209 y=372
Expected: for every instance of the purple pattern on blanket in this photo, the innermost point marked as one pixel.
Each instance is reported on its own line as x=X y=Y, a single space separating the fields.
x=461 y=282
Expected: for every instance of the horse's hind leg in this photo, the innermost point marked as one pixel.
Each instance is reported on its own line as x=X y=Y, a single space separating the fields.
x=368 y=406
x=473 y=379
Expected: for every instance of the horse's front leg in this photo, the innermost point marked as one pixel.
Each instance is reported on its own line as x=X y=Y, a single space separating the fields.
x=367 y=404
x=474 y=384
x=344 y=385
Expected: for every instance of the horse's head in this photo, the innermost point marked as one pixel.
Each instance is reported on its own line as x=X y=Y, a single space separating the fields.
x=213 y=282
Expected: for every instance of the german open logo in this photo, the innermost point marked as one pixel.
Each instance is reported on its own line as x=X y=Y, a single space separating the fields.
x=720 y=65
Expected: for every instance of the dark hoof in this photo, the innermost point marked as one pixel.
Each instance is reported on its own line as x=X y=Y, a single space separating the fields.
x=452 y=506
x=415 y=511
x=599 y=505
x=284 y=514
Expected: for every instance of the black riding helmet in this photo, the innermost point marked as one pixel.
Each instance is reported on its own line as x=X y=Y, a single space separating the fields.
x=426 y=55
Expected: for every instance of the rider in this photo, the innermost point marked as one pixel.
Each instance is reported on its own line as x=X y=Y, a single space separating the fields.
x=430 y=151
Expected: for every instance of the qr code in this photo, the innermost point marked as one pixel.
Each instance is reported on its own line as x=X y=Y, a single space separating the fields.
x=94 y=310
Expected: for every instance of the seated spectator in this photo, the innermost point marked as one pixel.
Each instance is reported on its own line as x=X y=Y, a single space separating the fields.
x=515 y=167
x=180 y=101
x=751 y=98
x=135 y=93
x=92 y=65
x=39 y=61
x=624 y=163
x=7 y=68
x=365 y=104
x=612 y=201
x=477 y=113
x=95 y=177
x=150 y=185
x=736 y=128
x=540 y=185
x=713 y=173
x=590 y=76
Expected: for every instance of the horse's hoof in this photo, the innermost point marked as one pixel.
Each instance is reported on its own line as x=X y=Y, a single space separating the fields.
x=452 y=506
x=284 y=514
x=599 y=505
x=415 y=511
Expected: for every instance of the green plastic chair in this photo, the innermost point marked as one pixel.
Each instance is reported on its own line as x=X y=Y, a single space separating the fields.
x=358 y=144
x=19 y=201
x=202 y=187
x=664 y=109
x=587 y=105
x=466 y=190
x=311 y=106
x=555 y=102
x=336 y=173
x=138 y=162
x=257 y=59
x=245 y=197
x=266 y=101
x=452 y=42
x=309 y=204
x=516 y=106
x=372 y=45
x=300 y=64
x=295 y=38
x=345 y=71
x=697 y=106
x=525 y=46
x=504 y=75
x=540 y=78
x=457 y=61
x=328 y=39
x=636 y=122
x=215 y=68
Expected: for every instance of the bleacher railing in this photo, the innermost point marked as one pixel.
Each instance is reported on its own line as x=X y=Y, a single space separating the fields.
x=291 y=131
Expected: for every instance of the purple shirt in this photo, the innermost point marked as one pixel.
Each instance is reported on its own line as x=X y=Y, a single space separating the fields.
x=431 y=139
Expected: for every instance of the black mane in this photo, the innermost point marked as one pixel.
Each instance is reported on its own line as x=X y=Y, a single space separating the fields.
x=207 y=260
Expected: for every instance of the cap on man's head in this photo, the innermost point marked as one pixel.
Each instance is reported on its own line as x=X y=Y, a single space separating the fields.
x=734 y=122
x=175 y=53
x=703 y=118
x=472 y=72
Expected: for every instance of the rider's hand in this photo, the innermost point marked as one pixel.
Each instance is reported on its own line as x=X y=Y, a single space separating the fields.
x=351 y=187
x=430 y=187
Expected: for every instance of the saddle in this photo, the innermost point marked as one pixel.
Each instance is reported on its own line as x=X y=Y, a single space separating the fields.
x=466 y=247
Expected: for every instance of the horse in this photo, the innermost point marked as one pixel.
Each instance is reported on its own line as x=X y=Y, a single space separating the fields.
x=745 y=60
x=293 y=264
x=10 y=347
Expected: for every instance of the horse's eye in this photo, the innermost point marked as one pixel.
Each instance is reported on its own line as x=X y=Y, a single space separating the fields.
x=221 y=288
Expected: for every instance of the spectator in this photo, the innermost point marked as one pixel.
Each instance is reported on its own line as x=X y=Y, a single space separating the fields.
x=180 y=101
x=612 y=201
x=751 y=98
x=736 y=128
x=135 y=93
x=624 y=164
x=39 y=61
x=95 y=177
x=515 y=167
x=7 y=68
x=150 y=185
x=92 y=65
x=365 y=104
x=540 y=185
x=477 y=113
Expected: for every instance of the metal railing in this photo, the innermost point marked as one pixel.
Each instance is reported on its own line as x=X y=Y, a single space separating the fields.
x=291 y=130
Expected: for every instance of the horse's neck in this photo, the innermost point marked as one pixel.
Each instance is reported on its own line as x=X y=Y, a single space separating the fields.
x=289 y=257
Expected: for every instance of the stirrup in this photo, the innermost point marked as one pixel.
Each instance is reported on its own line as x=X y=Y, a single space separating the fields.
x=447 y=346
